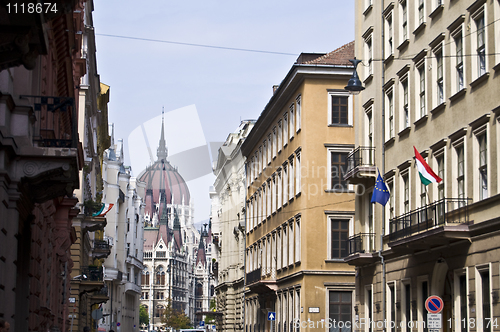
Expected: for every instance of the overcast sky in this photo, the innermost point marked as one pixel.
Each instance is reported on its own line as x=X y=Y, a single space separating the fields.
x=212 y=88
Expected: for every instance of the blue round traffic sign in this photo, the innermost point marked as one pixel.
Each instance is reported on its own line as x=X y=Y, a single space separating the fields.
x=434 y=304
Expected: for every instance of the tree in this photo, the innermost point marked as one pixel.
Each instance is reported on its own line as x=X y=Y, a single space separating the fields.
x=210 y=319
x=143 y=316
x=174 y=318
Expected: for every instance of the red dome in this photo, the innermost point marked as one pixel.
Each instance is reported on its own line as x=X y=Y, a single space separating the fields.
x=173 y=185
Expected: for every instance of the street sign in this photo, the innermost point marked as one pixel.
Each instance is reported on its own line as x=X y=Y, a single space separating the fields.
x=434 y=304
x=271 y=315
x=434 y=321
x=118 y=324
x=97 y=314
x=202 y=323
x=72 y=300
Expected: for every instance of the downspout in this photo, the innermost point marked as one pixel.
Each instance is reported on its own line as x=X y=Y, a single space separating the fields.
x=384 y=304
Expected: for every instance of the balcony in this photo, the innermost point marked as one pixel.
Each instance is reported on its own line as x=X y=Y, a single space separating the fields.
x=101 y=249
x=259 y=283
x=361 y=249
x=131 y=287
x=99 y=296
x=439 y=223
x=361 y=166
x=90 y=279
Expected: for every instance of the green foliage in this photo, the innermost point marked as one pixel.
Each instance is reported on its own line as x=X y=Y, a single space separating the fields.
x=143 y=316
x=210 y=319
x=174 y=318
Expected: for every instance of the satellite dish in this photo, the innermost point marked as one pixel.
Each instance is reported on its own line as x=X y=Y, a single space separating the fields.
x=97 y=314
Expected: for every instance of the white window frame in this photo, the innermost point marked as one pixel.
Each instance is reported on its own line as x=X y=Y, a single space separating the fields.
x=291 y=174
x=404 y=283
x=389 y=34
x=459 y=143
x=421 y=84
x=298 y=112
x=404 y=19
x=404 y=103
x=298 y=175
x=275 y=142
x=420 y=16
x=285 y=128
x=285 y=183
x=457 y=298
x=297 y=239
x=291 y=121
x=458 y=62
x=291 y=244
x=280 y=189
x=391 y=128
x=477 y=180
x=340 y=93
x=368 y=51
x=477 y=70
x=343 y=216
x=345 y=150
x=404 y=173
x=421 y=300
x=438 y=75
x=280 y=135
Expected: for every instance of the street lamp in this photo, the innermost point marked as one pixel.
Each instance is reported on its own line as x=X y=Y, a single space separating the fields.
x=354 y=86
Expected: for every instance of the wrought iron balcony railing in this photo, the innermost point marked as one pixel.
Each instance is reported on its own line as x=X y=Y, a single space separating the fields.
x=360 y=156
x=92 y=273
x=254 y=276
x=361 y=243
x=442 y=212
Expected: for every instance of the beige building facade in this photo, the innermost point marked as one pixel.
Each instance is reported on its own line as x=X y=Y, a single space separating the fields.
x=228 y=207
x=430 y=69
x=299 y=210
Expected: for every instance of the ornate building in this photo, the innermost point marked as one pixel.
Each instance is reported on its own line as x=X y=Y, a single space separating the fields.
x=228 y=206
x=171 y=241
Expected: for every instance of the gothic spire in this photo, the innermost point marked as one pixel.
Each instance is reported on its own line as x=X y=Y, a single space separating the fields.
x=162 y=151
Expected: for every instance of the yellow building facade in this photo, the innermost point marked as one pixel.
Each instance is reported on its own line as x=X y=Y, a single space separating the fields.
x=299 y=209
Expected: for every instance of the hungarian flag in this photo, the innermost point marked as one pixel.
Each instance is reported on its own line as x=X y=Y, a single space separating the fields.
x=426 y=173
x=103 y=210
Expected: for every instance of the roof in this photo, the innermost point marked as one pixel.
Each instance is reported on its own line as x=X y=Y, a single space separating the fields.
x=340 y=56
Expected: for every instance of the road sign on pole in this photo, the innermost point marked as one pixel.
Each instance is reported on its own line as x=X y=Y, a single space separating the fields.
x=434 y=304
x=271 y=315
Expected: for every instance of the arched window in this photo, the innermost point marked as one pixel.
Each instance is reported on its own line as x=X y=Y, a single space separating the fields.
x=145 y=276
x=162 y=278
x=159 y=272
x=199 y=290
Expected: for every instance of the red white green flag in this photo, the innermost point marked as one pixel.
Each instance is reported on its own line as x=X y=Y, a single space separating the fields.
x=105 y=207
x=426 y=173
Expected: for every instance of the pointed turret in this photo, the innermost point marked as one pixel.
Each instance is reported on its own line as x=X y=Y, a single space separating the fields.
x=201 y=257
x=177 y=231
x=162 y=151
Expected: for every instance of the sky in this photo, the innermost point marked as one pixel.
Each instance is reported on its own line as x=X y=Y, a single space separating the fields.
x=205 y=91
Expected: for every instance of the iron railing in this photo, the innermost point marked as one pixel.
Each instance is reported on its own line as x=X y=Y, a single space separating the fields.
x=360 y=243
x=92 y=273
x=101 y=245
x=271 y=271
x=55 y=121
x=254 y=276
x=444 y=211
x=361 y=156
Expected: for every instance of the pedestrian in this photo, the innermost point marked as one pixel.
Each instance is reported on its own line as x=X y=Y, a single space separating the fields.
x=4 y=326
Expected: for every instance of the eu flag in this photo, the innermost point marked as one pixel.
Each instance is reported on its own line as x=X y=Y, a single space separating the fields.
x=380 y=193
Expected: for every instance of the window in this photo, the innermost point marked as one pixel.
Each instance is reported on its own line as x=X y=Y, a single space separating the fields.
x=291 y=245
x=280 y=135
x=298 y=174
x=441 y=174
x=368 y=308
x=292 y=121
x=275 y=142
x=369 y=56
x=389 y=35
x=460 y=180
x=285 y=129
x=264 y=154
x=463 y=302
x=339 y=236
x=390 y=113
x=421 y=12
x=340 y=106
x=481 y=48
x=483 y=166
x=406 y=303
x=405 y=110
x=269 y=149
x=391 y=312
x=280 y=190
x=424 y=294
x=298 y=100
x=285 y=183
x=421 y=78
x=369 y=119
x=404 y=20
x=390 y=186
x=406 y=192
x=485 y=299
x=459 y=58
x=291 y=180
x=439 y=79
x=340 y=306
x=297 y=239
x=338 y=162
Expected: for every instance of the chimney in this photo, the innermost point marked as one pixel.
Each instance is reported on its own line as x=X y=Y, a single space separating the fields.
x=275 y=87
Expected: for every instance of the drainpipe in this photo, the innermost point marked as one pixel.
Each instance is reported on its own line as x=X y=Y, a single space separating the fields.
x=384 y=304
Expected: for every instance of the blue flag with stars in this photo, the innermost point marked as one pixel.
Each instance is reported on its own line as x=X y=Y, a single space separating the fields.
x=380 y=193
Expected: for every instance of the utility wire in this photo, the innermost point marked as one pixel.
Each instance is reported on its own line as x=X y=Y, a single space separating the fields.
x=196 y=45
